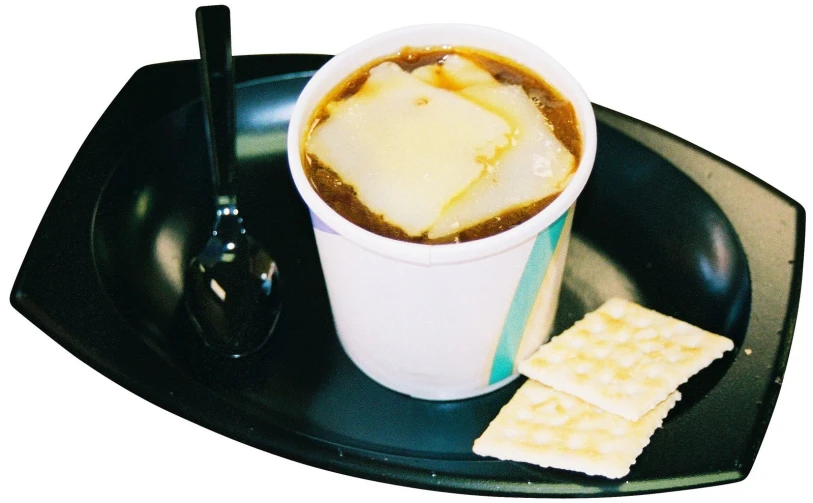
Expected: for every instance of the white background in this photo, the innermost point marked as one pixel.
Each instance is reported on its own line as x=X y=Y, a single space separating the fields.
x=734 y=80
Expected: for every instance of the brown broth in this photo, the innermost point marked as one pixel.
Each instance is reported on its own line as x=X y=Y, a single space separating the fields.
x=342 y=197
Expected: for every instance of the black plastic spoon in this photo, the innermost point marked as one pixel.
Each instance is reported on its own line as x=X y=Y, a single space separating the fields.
x=232 y=286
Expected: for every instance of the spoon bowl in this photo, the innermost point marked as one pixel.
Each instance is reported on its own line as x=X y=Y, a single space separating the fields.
x=230 y=297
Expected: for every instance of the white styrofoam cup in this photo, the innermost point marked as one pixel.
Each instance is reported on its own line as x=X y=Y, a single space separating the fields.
x=442 y=322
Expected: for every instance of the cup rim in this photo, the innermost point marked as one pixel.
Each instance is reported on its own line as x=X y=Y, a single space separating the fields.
x=487 y=39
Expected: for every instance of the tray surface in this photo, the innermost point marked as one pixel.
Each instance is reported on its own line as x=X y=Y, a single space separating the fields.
x=644 y=229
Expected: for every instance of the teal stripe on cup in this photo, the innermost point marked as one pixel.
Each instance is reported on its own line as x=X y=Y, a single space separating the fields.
x=524 y=298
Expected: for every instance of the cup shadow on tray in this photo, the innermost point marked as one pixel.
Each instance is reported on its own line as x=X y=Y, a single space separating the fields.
x=643 y=230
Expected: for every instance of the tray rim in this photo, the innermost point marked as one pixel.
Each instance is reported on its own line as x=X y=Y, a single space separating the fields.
x=359 y=466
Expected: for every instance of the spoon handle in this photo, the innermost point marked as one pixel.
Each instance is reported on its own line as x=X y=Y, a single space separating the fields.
x=217 y=86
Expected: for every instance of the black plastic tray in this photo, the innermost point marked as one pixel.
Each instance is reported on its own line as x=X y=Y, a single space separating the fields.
x=661 y=221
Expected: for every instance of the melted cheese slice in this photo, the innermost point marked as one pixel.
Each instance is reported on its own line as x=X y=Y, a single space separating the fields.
x=407 y=147
x=536 y=166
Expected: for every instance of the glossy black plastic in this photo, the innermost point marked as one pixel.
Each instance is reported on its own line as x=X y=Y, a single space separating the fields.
x=217 y=89
x=232 y=286
x=670 y=233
